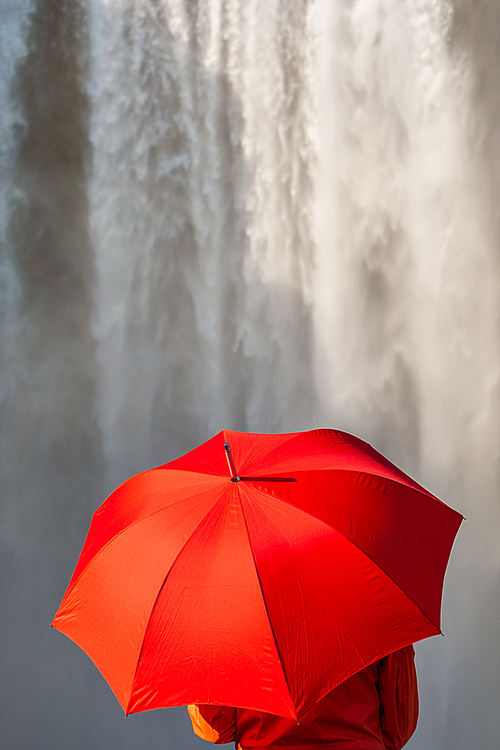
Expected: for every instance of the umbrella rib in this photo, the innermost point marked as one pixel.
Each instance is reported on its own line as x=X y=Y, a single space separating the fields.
x=265 y=510
x=123 y=531
x=319 y=520
x=217 y=563
x=292 y=436
x=219 y=501
x=159 y=594
x=349 y=637
x=339 y=620
x=413 y=486
x=353 y=440
x=264 y=600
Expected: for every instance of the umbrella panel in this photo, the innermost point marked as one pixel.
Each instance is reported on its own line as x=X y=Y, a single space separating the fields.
x=210 y=626
x=107 y=607
x=332 y=609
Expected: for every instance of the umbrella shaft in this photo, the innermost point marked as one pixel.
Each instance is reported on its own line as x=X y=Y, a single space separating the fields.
x=230 y=462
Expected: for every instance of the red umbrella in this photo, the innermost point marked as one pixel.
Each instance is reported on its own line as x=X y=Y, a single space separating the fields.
x=257 y=571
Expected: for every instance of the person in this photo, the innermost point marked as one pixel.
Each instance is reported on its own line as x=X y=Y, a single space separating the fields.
x=375 y=709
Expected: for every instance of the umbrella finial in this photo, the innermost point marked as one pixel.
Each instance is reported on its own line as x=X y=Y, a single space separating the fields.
x=230 y=462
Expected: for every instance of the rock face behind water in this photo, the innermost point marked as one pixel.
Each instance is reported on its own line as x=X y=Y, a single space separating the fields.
x=265 y=217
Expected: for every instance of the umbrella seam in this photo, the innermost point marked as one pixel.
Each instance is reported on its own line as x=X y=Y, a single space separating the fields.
x=123 y=531
x=159 y=594
x=319 y=520
x=348 y=438
x=344 y=435
x=264 y=601
x=321 y=587
x=165 y=466
x=217 y=561
x=340 y=621
x=271 y=450
x=417 y=489
x=378 y=658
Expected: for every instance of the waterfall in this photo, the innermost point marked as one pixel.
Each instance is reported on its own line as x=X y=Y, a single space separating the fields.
x=406 y=308
x=204 y=161
x=260 y=216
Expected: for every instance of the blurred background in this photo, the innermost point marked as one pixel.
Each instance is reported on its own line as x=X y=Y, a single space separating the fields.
x=265 y=216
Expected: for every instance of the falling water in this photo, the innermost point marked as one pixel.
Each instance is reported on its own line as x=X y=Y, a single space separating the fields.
x=261 y=216
x=201 y=158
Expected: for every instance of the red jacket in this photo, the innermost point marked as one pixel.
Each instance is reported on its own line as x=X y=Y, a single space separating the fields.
x=376 y=709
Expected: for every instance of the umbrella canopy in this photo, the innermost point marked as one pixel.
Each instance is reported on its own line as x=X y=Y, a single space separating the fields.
x=257 y=571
